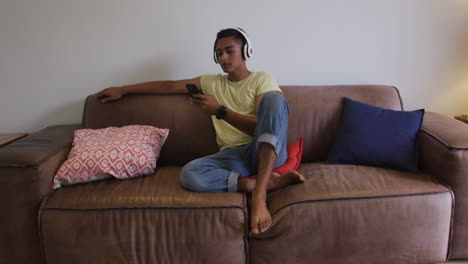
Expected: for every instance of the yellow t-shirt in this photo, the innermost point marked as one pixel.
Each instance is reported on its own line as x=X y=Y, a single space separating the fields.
x=238 y=97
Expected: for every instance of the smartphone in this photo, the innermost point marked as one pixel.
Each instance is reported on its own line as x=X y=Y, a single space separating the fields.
x=193 y=89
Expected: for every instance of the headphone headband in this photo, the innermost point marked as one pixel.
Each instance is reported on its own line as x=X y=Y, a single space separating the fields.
x=247 y=48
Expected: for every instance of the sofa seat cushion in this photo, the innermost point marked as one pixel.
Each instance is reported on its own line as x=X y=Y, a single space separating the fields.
x=361 y=215
x=151 y=219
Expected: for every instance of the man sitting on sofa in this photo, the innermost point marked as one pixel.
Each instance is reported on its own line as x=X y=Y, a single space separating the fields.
x=250 y=116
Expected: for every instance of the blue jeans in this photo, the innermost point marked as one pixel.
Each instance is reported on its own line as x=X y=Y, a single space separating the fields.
x=219 y=172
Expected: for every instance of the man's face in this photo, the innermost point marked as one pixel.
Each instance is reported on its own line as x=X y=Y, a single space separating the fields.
x=229 y=54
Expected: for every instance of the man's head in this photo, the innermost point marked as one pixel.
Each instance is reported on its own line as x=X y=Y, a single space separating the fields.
x=239 y=36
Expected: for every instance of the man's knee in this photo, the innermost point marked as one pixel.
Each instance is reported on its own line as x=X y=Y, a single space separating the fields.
x=272 y=96
x=273 y=100
x=190 y=179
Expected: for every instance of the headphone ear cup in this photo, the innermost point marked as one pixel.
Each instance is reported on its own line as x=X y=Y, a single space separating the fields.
x=249 y=51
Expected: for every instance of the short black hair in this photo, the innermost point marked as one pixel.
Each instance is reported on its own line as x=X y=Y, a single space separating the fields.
x=230 y=32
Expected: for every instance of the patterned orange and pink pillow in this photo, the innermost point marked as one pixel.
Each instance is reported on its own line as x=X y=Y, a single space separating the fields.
x=121 y=152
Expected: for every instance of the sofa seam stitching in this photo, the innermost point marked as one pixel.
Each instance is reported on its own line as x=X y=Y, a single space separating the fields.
x=357 y=198
x=130 y=208
x=438 y=139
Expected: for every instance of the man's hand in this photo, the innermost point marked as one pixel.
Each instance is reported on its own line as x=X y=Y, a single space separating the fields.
x=110 y=94
x=207 y=102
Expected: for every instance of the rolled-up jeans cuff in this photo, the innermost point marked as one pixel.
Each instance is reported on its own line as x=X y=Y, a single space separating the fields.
x=232 y=181
x=270 y=139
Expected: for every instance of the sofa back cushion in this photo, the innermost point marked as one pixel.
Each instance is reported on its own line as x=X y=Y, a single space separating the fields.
x=192 y=134
x=314 y=113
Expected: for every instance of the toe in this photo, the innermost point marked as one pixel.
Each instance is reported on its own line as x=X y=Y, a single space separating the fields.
x=262 y=227
x=255 y=230
x=266 y=225
x=302 y=178
x=257 y=226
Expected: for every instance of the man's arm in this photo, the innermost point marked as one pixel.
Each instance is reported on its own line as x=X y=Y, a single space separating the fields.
x=155 y=87
x=246 y=124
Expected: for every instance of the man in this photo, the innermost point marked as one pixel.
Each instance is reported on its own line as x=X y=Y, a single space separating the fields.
x=250 y=116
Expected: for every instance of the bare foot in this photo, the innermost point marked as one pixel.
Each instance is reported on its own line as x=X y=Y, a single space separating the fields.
x=278 y=182
x=261 y=218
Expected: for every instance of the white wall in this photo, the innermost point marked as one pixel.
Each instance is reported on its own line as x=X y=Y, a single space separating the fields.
x=53 y=53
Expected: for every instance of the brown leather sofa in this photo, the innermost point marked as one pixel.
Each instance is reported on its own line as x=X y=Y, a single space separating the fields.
x=341 y=214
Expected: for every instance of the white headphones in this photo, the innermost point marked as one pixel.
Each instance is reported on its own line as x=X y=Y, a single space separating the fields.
x=247 y=49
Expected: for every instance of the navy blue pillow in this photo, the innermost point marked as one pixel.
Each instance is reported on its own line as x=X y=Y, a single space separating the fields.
x=373 y=136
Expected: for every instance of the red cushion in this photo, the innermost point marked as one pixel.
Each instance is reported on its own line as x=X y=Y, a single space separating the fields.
x=294 y=158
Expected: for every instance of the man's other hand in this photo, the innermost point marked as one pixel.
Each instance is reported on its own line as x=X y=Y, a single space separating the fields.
x=207 y=102
x=110 y=94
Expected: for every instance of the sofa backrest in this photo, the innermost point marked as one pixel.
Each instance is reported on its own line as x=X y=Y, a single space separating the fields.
x=314 y=113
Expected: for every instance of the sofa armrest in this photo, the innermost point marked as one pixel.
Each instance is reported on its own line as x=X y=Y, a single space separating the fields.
x=443 y=149
x=27 y=167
